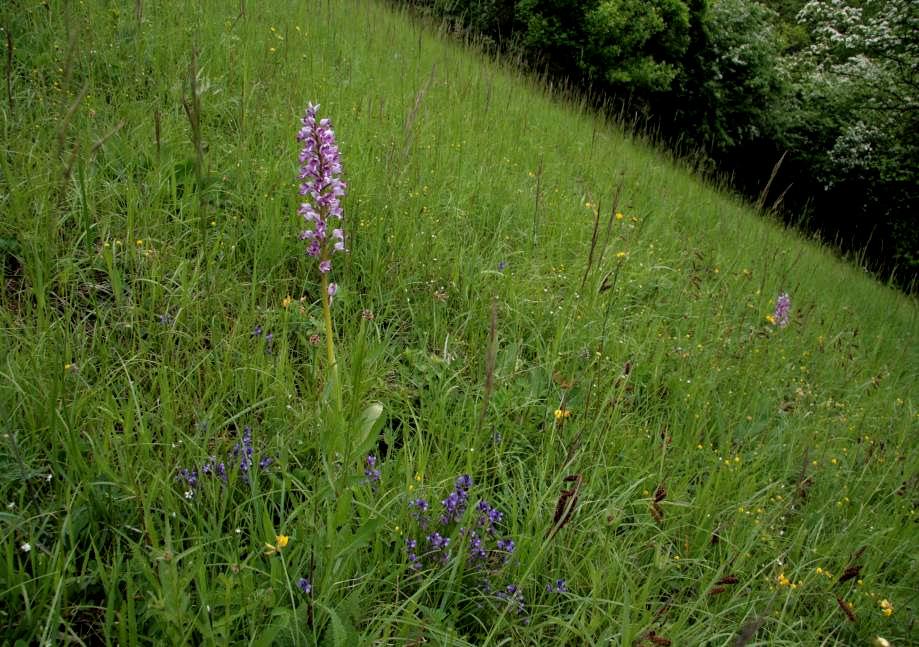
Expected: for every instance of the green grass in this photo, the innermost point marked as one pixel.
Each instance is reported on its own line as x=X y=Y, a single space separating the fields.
x=133 y=280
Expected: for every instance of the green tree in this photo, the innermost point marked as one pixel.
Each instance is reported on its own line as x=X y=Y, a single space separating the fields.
x=553 y=34
x=637 y=45
x=742 y=72
x=853 y=112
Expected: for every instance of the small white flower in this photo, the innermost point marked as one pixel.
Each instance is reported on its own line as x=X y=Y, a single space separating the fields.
x=11 y=505
x=49 y=477
x=26 y=547
x=189 y=494
x=239 y=531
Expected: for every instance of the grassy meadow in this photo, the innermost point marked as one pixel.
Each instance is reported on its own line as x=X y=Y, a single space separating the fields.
x=533 y=297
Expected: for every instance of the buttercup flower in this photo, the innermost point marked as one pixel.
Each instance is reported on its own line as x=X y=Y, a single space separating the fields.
x=280 y=542
x=886 y=607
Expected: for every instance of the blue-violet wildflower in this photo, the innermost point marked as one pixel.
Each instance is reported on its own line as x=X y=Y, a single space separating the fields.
x=419 y=508
x=507 y=546
x=455 y=503
x=559 y=587
x=372 y=474
x=514 y=598
x=439 y=544
x=489 y=517
x=242 y=450
x=477 y=552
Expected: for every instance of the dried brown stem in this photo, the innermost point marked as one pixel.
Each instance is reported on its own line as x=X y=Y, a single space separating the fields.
x=567 y=501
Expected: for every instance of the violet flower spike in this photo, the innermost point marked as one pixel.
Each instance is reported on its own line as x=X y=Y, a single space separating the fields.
x=321 y=187
x=782 y=306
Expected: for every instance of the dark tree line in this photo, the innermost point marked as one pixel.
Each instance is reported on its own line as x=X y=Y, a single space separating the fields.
x=831 y=87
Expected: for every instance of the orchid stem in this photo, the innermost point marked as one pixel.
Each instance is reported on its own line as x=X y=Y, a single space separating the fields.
x=329 y=339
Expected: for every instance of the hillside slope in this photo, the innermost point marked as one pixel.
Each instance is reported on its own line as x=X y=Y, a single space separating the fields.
x=725 y=472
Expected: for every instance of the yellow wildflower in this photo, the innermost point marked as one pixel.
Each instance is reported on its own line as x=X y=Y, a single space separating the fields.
x=287 y=301
x=886 y=607
x=561 y=413
x=281 y=542
x=619 y=215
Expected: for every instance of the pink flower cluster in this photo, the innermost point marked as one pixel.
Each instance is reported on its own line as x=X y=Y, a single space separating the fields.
x=321 y=188
x=782 y=307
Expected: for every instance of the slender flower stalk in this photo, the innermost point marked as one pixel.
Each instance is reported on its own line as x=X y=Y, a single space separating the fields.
x=322 y=190
x=327 y=293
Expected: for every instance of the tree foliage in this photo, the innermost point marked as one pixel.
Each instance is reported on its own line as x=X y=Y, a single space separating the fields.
x=852 y=112
x=746 y=84
x=637 y=45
